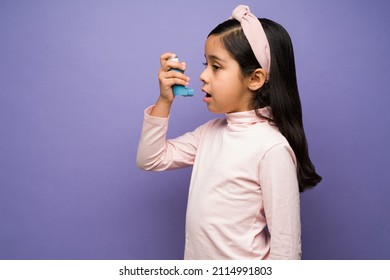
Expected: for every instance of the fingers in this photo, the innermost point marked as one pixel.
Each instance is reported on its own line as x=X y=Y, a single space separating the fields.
x=167 y=64
x=170 y=78
x=164 y=57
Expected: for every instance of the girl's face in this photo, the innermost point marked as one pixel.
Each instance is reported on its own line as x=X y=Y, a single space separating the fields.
x=225 y=87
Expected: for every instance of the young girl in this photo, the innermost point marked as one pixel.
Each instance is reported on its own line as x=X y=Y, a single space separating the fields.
x=249 y=167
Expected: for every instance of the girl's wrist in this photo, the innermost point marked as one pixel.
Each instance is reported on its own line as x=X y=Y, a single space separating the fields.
x=164 y=101
x=162 y=108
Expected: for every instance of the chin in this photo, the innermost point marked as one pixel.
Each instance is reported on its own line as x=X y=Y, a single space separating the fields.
x=212 y=110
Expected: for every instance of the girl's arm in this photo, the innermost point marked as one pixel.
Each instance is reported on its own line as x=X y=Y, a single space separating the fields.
x=157 y=153
x=279 y=184
x=154 y=151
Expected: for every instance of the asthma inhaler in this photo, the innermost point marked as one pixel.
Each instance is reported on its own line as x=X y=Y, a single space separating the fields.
x=179 y=89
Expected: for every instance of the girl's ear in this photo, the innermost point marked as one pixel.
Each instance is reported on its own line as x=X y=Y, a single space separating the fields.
x=257 y=79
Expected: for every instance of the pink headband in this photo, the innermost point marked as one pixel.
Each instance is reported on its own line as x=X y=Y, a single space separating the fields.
x=255 y=35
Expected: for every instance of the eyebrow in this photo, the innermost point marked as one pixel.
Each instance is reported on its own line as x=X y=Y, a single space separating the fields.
x=214 y=57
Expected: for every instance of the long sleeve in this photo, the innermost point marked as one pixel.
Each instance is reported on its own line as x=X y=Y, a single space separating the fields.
x=243 y=200
x=278 y=180
x=157 y=153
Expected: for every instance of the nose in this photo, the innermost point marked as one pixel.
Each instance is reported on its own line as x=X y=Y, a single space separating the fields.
x=203 y=76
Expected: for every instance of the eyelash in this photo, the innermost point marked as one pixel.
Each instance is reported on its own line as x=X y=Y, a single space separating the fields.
x=215 y=67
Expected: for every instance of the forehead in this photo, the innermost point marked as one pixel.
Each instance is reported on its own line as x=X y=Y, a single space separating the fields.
x=215 y=49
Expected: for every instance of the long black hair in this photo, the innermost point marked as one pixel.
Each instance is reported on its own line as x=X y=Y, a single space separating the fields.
x=280 y=92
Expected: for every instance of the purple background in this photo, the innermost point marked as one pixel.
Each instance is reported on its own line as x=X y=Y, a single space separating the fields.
x=75 y=77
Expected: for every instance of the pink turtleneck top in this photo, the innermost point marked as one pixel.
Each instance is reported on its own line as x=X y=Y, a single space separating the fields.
x=243 y=200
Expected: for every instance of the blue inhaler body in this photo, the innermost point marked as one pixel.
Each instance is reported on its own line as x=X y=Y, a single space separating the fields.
x=179 y=89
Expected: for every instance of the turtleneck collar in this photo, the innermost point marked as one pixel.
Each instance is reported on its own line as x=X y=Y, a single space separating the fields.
x=244 y=120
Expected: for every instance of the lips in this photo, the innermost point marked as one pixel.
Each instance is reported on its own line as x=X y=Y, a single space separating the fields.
x=208 y=95
x=207 y=98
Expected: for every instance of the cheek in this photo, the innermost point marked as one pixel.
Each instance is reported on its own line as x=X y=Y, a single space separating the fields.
x=222 y=81
x=230 y=84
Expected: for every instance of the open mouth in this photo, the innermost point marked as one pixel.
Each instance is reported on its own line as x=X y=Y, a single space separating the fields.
x=207 y=97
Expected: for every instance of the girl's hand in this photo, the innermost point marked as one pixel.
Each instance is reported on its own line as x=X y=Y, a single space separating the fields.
x=169 y=78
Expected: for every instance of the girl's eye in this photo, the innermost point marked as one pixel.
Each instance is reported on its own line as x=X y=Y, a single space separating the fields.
x=215 y=66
